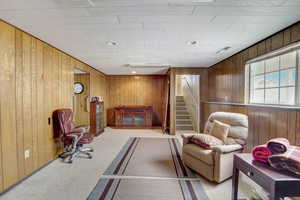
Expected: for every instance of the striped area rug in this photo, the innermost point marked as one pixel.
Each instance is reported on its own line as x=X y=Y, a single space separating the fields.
x=148 y=169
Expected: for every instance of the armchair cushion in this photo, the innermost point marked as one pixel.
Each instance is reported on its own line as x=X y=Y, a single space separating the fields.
x=227 y=148
x=219 y=130
x=238 y=126
x=205 y=141
x=186 y=138
x=205 y=155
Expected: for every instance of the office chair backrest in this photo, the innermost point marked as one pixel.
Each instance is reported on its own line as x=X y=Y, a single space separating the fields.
x=63 y=122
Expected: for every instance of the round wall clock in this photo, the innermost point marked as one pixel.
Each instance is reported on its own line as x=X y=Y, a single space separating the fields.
x=78 y=88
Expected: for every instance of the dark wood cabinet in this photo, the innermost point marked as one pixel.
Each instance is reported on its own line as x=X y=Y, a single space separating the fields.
x=133 y=116
x=97 y=118
x=278 y=184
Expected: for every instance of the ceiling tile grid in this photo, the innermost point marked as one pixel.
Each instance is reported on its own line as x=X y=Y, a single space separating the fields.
x=150 y=32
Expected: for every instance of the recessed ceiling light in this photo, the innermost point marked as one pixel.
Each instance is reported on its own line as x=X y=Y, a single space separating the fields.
x=112 y=43
x=133 y=72
x=223 y=50
x=191 y=42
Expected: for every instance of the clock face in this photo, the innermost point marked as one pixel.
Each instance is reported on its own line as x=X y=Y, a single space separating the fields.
x=78 y=88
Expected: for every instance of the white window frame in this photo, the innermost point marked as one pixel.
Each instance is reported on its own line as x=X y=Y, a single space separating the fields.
x=279 y=52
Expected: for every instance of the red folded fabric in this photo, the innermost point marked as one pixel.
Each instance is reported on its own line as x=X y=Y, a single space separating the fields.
x=261 y=153
x=278 y=145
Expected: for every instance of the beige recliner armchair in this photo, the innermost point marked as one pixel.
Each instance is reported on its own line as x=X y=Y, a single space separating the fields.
x=216 y=164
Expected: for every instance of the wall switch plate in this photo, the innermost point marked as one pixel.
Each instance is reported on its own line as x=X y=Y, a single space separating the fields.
x=226 y=98
x=27 y=154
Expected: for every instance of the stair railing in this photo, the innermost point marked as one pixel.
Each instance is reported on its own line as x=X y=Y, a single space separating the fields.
x=192 y=103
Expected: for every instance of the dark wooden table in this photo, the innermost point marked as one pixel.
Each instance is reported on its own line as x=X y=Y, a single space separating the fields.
x=278 y=184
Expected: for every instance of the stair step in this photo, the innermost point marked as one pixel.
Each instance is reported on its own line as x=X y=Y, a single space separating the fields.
x=184 y=120
x=183 y=117
x=180 y=108
x=184 y=128
x=186 y=123
x=182 y=113
x=180 y=105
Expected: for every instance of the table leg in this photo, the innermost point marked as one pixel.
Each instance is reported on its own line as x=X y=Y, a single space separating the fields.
x=235 y=184
x=274 y=195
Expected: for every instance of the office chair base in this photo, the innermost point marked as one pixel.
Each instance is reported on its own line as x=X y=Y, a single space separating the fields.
x=69 y=155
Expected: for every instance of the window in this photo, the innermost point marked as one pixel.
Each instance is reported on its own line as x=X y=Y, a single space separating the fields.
x=273 y=79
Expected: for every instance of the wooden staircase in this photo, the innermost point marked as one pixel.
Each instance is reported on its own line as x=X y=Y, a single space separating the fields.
x=183 y=118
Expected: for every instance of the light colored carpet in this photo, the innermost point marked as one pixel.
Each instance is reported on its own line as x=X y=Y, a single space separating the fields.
x=147 y=189
x=60 y=181
x=156 y=157
x=151 y=159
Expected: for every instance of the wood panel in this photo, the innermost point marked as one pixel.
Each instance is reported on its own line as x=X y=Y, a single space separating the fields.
x=82 y=115
x=35 y=80
x=9 y=172
x=148 y=90
x=98 y=83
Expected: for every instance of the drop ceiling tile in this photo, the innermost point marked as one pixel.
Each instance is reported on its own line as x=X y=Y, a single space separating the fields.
x=101 y=27
x=249 y=2
x=141 y=10
x=89 y=20
x=166 y=19
x=292 y=3
x=247 y=11
x=237 y=3
x=46 y=13
x=74 y=3
x=267 y=19
x=26 y=4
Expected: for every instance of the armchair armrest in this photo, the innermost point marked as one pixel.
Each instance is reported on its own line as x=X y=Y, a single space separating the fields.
x=185 y=137
x=227 y=148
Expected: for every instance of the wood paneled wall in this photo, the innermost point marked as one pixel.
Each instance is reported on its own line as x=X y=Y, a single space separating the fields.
x=226 y=84
x=148 y=90
x=81 y=110
x=35 y=80
x=98 y=83
x=226 y=79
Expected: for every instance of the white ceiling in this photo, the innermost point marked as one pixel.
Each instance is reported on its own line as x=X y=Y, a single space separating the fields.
x=150 y=32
